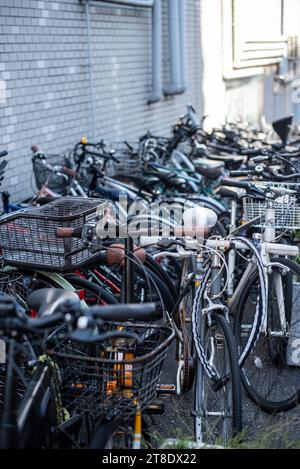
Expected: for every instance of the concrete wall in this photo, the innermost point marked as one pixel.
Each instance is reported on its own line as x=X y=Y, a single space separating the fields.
x=44 y=67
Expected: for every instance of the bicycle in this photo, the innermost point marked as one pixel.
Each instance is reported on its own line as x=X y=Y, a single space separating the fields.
x=264 y=299
x=209 y=319
x=212 y=351
x=110 y=365
x=85 y=377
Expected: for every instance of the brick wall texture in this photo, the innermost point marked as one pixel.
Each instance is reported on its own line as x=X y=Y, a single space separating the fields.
x=44 y=68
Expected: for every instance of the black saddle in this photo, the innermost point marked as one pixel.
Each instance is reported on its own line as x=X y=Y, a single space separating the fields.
x=231 y=192
x=208 y=168
x=230 y=161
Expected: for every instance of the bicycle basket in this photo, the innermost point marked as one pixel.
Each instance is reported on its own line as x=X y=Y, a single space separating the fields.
x=286 y=209
x=28 y=237
x=47 y=174
x=109 y=379
x=129 y=161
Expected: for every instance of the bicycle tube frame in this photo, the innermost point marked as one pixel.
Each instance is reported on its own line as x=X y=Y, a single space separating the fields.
x=241 y=285
x=37 y=395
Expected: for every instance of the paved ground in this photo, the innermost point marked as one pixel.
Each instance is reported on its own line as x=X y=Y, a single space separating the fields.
x=261 y=429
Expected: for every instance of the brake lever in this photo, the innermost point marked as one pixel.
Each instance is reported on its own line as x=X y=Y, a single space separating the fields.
x=257 y=196
x=255 y=193
x=169 y=244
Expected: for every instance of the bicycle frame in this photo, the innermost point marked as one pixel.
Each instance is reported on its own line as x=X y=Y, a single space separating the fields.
x=267 y=249
x=16 y=423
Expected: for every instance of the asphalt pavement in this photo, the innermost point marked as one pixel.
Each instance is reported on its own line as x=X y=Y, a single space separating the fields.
x=260 y=429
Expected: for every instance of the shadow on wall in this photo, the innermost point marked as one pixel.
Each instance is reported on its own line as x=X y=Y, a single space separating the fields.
x=245 y=99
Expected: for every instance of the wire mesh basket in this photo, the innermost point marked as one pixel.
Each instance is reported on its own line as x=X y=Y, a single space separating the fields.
x=109 y=379
x=128 y=160
x=28 y=237
x=286 y=208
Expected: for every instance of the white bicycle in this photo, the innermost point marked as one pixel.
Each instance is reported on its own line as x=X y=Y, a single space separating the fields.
x=266 y=301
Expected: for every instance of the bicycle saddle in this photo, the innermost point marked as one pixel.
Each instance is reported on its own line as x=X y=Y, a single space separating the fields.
x=169 y=177
x=209 y=168
x=198 y=221
x=231 y=161
x=48 y=300
x=144 y=181
x=231 y=192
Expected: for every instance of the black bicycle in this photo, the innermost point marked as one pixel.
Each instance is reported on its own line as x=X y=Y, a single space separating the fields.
x=98 y=371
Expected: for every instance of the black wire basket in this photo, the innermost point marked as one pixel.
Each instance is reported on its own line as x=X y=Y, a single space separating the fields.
x=128 y=160
x=109 y=380
x=28 y=237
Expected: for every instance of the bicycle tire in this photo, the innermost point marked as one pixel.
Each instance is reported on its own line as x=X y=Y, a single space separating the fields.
x=235 y=391
x=102 y=436
x=99 y=292
x=163 y=291
x=161 y=273
x=268 y=404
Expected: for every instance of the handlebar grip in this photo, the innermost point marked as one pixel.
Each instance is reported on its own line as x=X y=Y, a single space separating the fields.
x=239 y=184
x=85 y=336
x=127 y=312
x=69 y=232
x=3 y=153
x=46 y=200
x=49 y=321
x=238 y=173
x=34 y=149
x=252 y=152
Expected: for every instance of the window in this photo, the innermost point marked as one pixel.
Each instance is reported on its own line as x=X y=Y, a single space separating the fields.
x=253 y=35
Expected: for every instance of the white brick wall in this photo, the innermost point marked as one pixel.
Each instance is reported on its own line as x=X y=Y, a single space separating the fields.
x=43 y=58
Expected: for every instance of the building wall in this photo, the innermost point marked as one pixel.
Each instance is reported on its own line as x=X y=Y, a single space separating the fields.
x=44 y=68
x=249 y=97
x=224 y=98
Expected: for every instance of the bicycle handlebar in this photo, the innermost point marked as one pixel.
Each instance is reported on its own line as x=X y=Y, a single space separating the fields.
x=256 y=152
x=49 y=321
x=126 y=312
x=86 y=336
x=241 y=173
x=239 y=184
x=69 y=232
x=258 y=191
x=29 y=325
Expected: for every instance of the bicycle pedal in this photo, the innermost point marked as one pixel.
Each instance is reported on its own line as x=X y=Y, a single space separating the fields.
x=155 y=408
x=166 y=389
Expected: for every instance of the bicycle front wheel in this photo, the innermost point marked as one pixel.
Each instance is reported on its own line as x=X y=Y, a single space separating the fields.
x=271 y=371
x=218 y=402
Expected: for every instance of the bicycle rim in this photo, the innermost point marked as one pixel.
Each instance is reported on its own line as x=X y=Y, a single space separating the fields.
x=269 y=376
x=218 y=408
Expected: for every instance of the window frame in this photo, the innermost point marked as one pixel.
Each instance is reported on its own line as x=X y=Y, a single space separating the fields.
x=236 y=64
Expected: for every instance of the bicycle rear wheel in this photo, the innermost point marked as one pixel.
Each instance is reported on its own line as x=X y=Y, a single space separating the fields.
x=116 y=435
x=218 y=403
